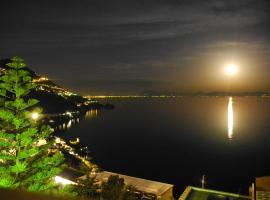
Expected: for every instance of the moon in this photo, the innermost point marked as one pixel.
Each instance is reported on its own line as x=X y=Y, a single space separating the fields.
x=231 y=69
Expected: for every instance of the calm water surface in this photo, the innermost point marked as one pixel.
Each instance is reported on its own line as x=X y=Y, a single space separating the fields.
x=177 y=140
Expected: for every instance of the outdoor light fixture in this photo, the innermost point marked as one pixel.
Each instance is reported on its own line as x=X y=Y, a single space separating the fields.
x=63 y=181
x=35 y=115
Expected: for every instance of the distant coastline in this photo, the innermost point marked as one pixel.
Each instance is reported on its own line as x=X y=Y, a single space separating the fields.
x=210 y=94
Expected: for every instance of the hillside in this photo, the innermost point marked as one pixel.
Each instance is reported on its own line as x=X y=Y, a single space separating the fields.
x=53 y=98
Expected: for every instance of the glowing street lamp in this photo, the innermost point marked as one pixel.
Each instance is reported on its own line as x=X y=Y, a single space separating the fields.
x=35 y=115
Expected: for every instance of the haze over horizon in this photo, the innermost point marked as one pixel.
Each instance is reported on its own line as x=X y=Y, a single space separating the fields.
x=128 y=47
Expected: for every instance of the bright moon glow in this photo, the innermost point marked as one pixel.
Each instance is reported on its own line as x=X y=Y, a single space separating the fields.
x=231 y=69
x=35 y=115
x=230 y=118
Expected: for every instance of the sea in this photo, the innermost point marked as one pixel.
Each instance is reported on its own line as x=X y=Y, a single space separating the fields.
x=179 y=140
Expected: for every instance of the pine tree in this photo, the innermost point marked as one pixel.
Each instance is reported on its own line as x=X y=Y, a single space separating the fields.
x=27 y=159
x=116 y=189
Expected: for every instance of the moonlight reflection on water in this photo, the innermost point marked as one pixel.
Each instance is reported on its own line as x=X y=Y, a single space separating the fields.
x=230 y=118
x=192 y=134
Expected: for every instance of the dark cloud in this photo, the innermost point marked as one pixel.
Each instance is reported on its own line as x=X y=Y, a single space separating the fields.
x=120 y=40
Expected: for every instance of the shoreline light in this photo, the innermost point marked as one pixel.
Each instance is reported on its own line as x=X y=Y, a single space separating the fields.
x=230 y=118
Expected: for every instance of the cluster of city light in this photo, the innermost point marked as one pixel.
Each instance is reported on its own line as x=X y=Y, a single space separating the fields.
x=71 y=151
x=76 y=141
x=40 y=79
x=51 y=88
x=130 y=96
x=69 y=113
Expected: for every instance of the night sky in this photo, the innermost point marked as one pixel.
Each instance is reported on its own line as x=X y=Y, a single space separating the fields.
x=128 y=47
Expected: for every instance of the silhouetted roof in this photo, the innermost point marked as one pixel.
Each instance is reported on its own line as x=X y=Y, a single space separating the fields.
x=205 y=194
x=144 y=185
